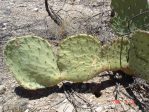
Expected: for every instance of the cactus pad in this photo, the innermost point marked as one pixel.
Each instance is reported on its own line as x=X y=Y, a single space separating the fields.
x=139 y=54
x=116 y=54
x=129 y=10
x=81 y=57
x=32 y=62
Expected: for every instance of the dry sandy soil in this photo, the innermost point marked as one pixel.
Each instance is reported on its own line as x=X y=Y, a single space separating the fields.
x=23 y=17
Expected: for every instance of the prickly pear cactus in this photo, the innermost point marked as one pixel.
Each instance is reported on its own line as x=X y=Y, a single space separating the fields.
x=139 y=54
x=32 y=62
x=81 y=57
x=129 y=10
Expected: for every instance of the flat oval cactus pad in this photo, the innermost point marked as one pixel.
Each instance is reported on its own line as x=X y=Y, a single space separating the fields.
x=79 y=57
x=132 y=12
x=139 y=54
x=32 y=62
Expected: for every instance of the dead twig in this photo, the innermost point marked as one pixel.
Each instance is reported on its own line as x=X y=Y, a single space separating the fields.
x=55 y=17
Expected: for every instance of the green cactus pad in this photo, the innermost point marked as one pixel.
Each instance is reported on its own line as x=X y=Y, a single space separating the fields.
x=32 y=62
x=129 y=10
x=116 y=54
x=81 y=57
x=139 y=54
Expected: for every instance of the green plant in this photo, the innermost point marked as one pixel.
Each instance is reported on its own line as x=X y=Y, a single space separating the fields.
x=130 y=15
x=80 y=58
x=32 y=62
x=139 y=54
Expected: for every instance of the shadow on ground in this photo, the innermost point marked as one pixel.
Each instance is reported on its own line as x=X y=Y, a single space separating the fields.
x=94 y=87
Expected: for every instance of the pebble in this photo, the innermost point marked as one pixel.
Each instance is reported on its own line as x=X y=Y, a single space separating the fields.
x=22 y=5
x=99 y=109
x=36 y=9
x=3 y=26
x=27 y=110
x=2 y=89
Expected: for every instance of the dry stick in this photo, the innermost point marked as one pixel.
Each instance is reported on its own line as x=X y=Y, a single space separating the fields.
x=55 y=17
x=69 y=98
x=84 y=100
x=58 y=103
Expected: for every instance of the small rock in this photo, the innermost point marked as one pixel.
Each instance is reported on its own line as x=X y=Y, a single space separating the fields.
x=3 y=26
x=27 y=110
x=22 y=5
x=35 y=9
x=99 y=109
x=2 y=89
